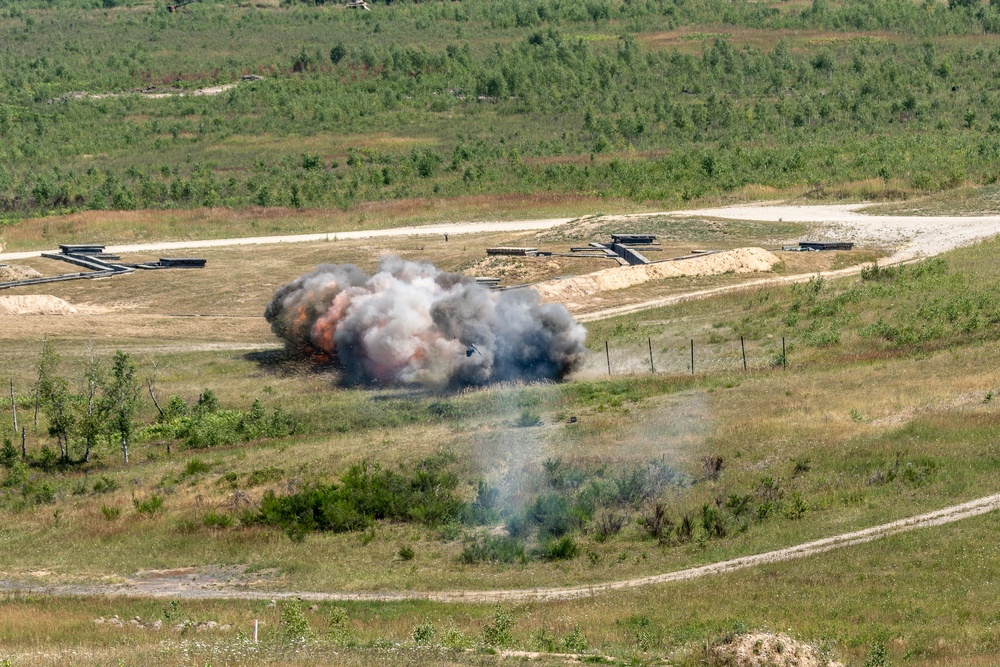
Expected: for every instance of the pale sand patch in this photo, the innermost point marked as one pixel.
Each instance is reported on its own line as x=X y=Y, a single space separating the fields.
x=12 y=272
x=42 y=304
x=577 y=292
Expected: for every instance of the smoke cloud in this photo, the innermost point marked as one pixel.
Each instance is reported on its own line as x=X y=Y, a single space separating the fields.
x=412 y=323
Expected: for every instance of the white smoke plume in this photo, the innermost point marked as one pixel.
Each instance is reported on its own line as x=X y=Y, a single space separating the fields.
x=412 y=323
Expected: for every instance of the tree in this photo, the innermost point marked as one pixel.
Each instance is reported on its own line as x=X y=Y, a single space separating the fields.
x=121 y=399
x=55 y=399
x=337 y=53
x=92 y=418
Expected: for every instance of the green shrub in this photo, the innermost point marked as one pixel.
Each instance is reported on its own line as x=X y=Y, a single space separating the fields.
x=496 y=633
x=294 y=625
x=552 y=514
x=483 y=509
x=563 y=548
x=196 y=466
x=105 y=484
x=9 y=454
x=367 y=493
x=40 y=493
x=528 y=417
x=207 y=425
x=16 y=475
x=218 y=521
x=110 y=512
x=261 y=476
x=494 y=549
x=424 y=633
x=150 y=505
x=406 y=552
x=575 y=642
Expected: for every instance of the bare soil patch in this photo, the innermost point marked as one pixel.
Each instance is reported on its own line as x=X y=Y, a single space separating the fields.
x=36 y=304
x=576 y=292
x=12 y=272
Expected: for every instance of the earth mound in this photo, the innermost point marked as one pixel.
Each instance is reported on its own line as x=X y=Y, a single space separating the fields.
x=36 y=304
x=580 y=288
x=763 y=649
x=12 y=272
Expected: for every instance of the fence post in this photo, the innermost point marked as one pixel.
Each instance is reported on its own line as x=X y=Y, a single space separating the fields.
x=652 y=369
x=743 y=349
x=692 y=356
x=784 y=355
x=607 y=353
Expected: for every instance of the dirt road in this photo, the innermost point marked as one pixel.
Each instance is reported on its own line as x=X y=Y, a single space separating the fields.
x=912 y=236
x=421 y=230
x=192 y=583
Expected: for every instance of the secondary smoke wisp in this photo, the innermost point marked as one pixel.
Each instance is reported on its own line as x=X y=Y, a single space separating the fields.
x=412 y=323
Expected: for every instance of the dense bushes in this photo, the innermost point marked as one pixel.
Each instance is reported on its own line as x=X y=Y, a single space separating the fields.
x=367 y=493
x=207 y=425
x=499 y=115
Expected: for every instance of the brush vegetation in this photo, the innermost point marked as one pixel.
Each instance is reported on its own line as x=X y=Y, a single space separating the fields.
x=664 y=101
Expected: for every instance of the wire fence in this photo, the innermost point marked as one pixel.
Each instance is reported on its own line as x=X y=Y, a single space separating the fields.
x=696 y=357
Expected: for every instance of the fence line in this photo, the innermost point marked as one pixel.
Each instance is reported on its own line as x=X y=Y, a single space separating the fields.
x=694 y=357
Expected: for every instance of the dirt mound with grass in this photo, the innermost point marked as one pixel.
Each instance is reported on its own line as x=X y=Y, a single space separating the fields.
x=763 y=649
x=40 y=304
x=576 y=291
x=12 y=272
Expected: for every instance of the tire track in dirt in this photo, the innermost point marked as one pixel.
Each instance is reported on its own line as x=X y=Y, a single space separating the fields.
x=187 y=587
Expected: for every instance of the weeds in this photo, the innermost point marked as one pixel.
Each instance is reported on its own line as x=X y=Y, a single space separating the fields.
x=148 y=506
x=294 y=625
x=110 y=512
x=496 y=632
x=494 y=549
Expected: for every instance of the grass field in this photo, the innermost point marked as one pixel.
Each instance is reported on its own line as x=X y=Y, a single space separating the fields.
x=809 y=451
x=862 y=400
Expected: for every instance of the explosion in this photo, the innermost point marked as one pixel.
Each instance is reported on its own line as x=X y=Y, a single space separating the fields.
x=412 y=323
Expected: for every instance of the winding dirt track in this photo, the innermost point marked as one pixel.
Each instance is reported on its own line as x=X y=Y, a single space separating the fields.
x=185 y=586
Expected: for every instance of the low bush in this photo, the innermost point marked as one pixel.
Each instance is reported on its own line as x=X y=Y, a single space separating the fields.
x=552 y=514
x=563 y=548
x=365 y=494
x=218 y=521
x=260 y=476
x=105 y=484
x=149 y=506
x=294 y=625
x=196 y=466
x=494 y=549
x=208 y=426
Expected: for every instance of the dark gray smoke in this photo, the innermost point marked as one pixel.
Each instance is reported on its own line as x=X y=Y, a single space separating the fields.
x=412 y=323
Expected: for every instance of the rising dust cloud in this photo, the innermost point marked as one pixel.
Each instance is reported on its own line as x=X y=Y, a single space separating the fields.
x=413 y=324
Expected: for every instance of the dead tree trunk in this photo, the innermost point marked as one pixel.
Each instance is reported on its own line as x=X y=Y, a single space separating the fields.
x=13 y=404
